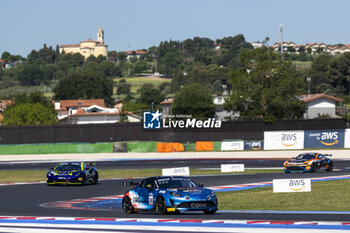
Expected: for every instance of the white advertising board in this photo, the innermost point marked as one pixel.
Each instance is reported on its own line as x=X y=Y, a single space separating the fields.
x=232 y=145
x=291 y=185
x=232 y=167
x=283 y=140
x=347 y=138
x=176 y=171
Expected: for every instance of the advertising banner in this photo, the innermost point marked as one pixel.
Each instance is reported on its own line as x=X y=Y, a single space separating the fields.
x=283 y=140
x=347 y=138
x=291 y=185
x=232 y=167
x=177 y=171
x=232 y=145
x=324 y=138
x=253 y=145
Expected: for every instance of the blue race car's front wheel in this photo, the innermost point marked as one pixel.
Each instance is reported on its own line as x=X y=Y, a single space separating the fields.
x=209 y=211
x=127 y=206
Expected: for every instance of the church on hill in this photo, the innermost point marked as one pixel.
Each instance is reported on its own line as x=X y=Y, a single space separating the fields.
x=88 y=47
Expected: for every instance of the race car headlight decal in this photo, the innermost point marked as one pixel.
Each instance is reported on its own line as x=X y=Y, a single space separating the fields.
x=212 y=194
x=52 y=173
x=209 y=197
x=174 y=194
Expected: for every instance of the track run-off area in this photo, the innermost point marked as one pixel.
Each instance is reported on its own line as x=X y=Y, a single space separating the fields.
x=36 y=206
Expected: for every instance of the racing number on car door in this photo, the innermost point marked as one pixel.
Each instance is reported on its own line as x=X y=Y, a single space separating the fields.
x=145 y=192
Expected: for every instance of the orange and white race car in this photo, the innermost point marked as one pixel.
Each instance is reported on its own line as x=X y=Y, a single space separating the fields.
x=309 y=162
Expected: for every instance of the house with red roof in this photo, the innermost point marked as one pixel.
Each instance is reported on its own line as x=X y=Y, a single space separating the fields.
x=130 y=54
x=322 y=105
x=92 y=111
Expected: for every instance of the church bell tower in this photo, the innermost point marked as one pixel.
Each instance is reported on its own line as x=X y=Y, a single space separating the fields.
x=100 y=35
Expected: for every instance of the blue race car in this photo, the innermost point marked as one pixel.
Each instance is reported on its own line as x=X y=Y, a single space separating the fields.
x=72 y=173
x=164 y=194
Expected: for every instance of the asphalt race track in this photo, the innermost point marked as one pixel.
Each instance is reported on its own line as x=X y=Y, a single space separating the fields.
x=25 y=200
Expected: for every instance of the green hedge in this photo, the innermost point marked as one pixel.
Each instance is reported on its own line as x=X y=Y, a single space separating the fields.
x=59 y=148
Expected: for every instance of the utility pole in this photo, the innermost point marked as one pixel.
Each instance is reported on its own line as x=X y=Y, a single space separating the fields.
x=281 y=30
x=308 y=79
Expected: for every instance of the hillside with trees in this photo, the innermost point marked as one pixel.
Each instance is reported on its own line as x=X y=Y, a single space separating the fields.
x=262 y=83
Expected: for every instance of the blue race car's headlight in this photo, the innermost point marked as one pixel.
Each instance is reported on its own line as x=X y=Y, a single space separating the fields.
x=212 y=194
x=175 y=194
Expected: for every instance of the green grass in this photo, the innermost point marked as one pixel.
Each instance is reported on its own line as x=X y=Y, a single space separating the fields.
x=8 y=176
x=325 y=196
x=137 y=82
x=302 y=64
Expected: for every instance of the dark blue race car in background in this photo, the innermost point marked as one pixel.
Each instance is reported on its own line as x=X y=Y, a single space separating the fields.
x=164 y=194
x=72 y=173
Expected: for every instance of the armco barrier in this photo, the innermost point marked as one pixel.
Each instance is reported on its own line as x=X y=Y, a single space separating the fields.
x=142 y=147
x=204 y=146
x=170 y=147
x=56 y=148
x=189 y=147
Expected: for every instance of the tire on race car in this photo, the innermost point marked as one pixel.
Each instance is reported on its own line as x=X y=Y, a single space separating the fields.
x=209 y=211
x=96 y=178
x=127 y=206
x=161 y=205
x=83 y=182
x=330 y=167
x=313 y=167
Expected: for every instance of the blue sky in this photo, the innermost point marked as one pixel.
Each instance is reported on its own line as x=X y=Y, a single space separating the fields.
x=138 y=24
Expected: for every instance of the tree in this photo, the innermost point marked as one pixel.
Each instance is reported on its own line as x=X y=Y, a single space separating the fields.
x=150 y=95
x=319 y=73
x=123 y=87
x=339 y=72
x=32 y=109
x=85 y=85
x=266 y=87
x=170 y=61
x=194 y=100
x=140 y=66
x=28 y=114
x=31 y=75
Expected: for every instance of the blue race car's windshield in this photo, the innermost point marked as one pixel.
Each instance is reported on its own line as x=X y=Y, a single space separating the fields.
x=176 y=183
x=306 y=156
x=68 y=167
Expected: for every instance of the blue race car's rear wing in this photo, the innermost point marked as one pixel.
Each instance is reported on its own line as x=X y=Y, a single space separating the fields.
x=130 y=183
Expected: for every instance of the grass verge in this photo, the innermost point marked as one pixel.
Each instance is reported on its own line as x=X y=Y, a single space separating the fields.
x=325 y=196
x=9 y=176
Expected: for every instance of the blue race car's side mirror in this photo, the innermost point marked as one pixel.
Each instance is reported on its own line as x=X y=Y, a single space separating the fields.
x=201 y=184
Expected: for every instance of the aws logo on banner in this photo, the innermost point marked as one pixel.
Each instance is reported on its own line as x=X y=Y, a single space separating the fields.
x=329 y=138
x=289 y=139
x=297 y=185
x=256 y=146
